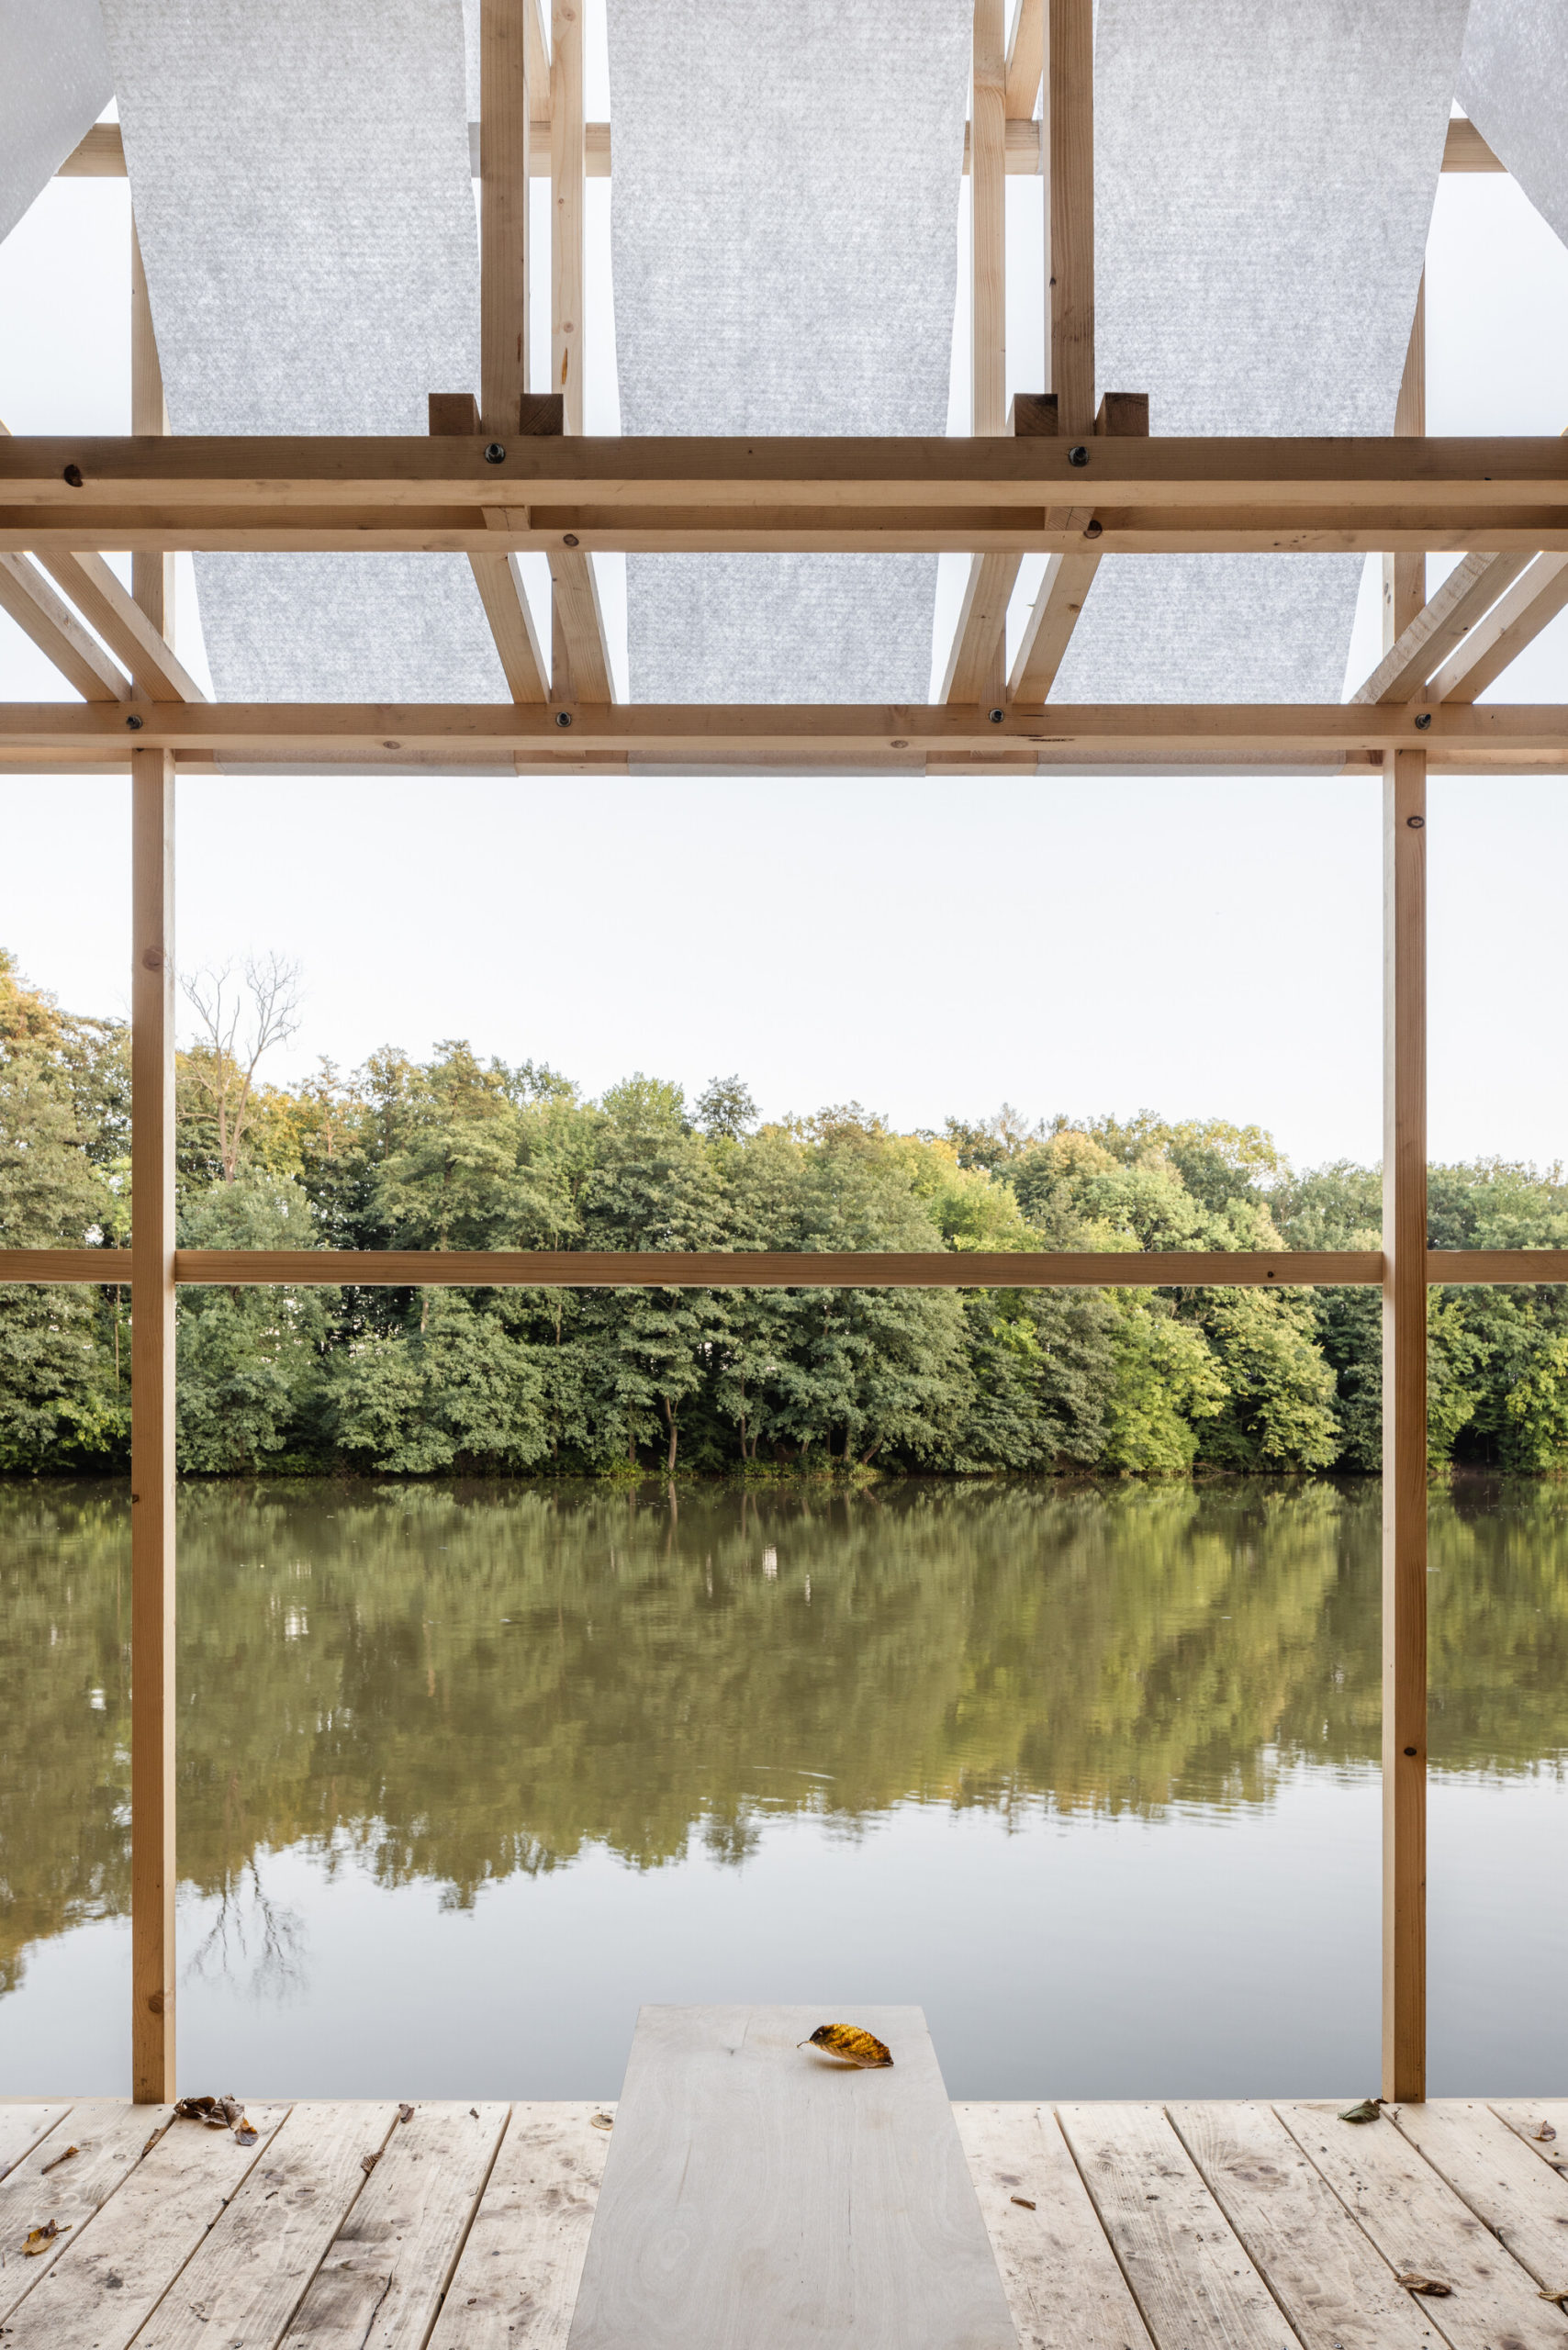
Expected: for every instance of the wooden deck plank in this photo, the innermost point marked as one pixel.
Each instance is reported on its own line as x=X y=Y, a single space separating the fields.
x=1060 y=2273
x=110 y=2137
x=381 y=2284
x=515 y=2285
x=110 y=2279
x=756 y=2189
x=21 y=2128
x=1338 y=2293
x=1526 y=2121
x=1493 y=2170
x=241 y=2289
x=1419 y=2225
x=1195 y=2283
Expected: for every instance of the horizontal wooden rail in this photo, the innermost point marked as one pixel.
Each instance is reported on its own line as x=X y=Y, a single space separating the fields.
x=591 y=1268
x=951 y=1269
x=101 y=154
x=545 y=493
x=1492 y=738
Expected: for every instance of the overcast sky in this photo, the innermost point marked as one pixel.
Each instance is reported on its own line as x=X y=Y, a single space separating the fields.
x=1199 y=948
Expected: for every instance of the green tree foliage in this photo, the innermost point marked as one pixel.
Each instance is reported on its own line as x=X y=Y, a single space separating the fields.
x=459 y=1152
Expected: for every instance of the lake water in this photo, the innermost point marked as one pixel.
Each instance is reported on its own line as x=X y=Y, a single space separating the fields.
x=465 y=1775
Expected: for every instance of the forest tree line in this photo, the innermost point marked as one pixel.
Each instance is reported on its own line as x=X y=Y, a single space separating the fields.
x=461 y=1152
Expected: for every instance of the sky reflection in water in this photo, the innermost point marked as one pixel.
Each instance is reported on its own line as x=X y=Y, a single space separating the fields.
x=1090 y=1774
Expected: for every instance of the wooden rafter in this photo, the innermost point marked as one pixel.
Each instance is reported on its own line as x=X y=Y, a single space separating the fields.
x=974 y=664
x=1466 y=596
x=1514 y=621
x=1026 y=58
x=58 y=633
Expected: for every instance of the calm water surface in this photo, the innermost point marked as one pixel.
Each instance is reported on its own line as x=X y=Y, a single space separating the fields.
x=465 y=1776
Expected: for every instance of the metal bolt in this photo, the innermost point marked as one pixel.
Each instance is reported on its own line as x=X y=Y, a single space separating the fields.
x=570 y=540
x=496 y=454
x=1093 y=529
x=74 y=476
x=134 y=723
x=1423 y=720
x=1417 y=823
x=1409 y=1749
x=996 y=716
x=562 y=717
x=1078 y=454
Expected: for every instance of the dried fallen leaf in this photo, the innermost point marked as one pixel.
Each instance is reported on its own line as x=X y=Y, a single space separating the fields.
x=245 y=2131
x=406 y=2113
x=1556 y=2293
x=602 y=2121
x=195 y=2108
x=231 y=2111
x=1545 y=2134
x=64 y=2157
x=367 y=2163
x=1024 y=2201
x=850 y=2043
x=40 y=2239
x=1414 y=2282
x=1368 y=2110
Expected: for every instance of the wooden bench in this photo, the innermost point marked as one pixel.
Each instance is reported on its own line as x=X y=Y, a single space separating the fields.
x=759 y=2193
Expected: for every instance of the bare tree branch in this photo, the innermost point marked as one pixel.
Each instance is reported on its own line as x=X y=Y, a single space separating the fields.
x=265 y=1000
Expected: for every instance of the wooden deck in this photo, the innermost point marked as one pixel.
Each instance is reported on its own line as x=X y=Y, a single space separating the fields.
x=464 y=2227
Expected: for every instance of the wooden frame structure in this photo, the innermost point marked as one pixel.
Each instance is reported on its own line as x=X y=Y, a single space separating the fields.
x=505 y=472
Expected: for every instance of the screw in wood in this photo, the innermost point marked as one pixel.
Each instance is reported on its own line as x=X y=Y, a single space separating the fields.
x=562 y=717
x=496 y=454
x=1078 y=454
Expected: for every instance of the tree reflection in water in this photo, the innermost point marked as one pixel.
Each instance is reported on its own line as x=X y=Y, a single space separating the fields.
x=461 y=1685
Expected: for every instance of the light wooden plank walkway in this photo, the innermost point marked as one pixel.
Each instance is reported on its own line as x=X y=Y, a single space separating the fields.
x=1191 y=2226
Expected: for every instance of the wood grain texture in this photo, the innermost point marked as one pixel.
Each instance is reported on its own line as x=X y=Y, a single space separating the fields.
x=1195 y=2283
x=1419 y=2225
x=516 y=2282
x=1405 y=575
x=110 y=2138
x=104 y=603
x=1404 y=1429
x=974 y=664
x=988 y=218
x=601 y=1269
x=756 y=2190
x=381 y=2285
x=60 y=636
x=1338 y=2292
x=503 y=211
x=151 y=572
x=1069 y=241
x=153 y=1865
x=496 y=577
x=23 y=2127
x=1526 y=2121
x=1026 y=58
x=1514 y=621
x=568 y=163
x=252 y=2270
x=1522 y=2200
x=110 y=2277
x=1060 y=2273
x=1468 y=593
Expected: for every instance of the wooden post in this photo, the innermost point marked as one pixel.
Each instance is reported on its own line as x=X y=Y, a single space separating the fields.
x=568 y=168
x=988 y=198
x=152 y=1854
x=503 y=213
x=1405 y=1345
x=1069 y=242
x=151 y=575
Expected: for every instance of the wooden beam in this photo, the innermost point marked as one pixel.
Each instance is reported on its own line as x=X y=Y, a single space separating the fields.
x=975 y=663
x=152 y=1855
x=1404 y=1431
x=1026 y=58
x=1067 y=578
x=504 y=47
x=585 y=1268
x=579 y=659
x=101 y=154
x=151 y=572
x=1486 y=1268
x=102 y=598
x=496 y=577
x=58 y=633
x=1405 y=575
x=1069 y=241
x=1514 y=621
x=539 y=89
x=1468 y=593
x=1482 y=739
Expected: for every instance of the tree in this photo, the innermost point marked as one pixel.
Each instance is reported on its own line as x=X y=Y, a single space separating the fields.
x=223 y=1061
x=725 y=1108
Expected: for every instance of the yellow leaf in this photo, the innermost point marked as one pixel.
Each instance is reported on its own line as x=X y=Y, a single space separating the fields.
x=850 y=2043
x=40 y=2239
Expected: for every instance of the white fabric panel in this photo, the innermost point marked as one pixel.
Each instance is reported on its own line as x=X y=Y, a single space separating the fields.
x=1513 y=83
x=785 y=206
x=300 y=176
x=54 y=83
x=1264 y=180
